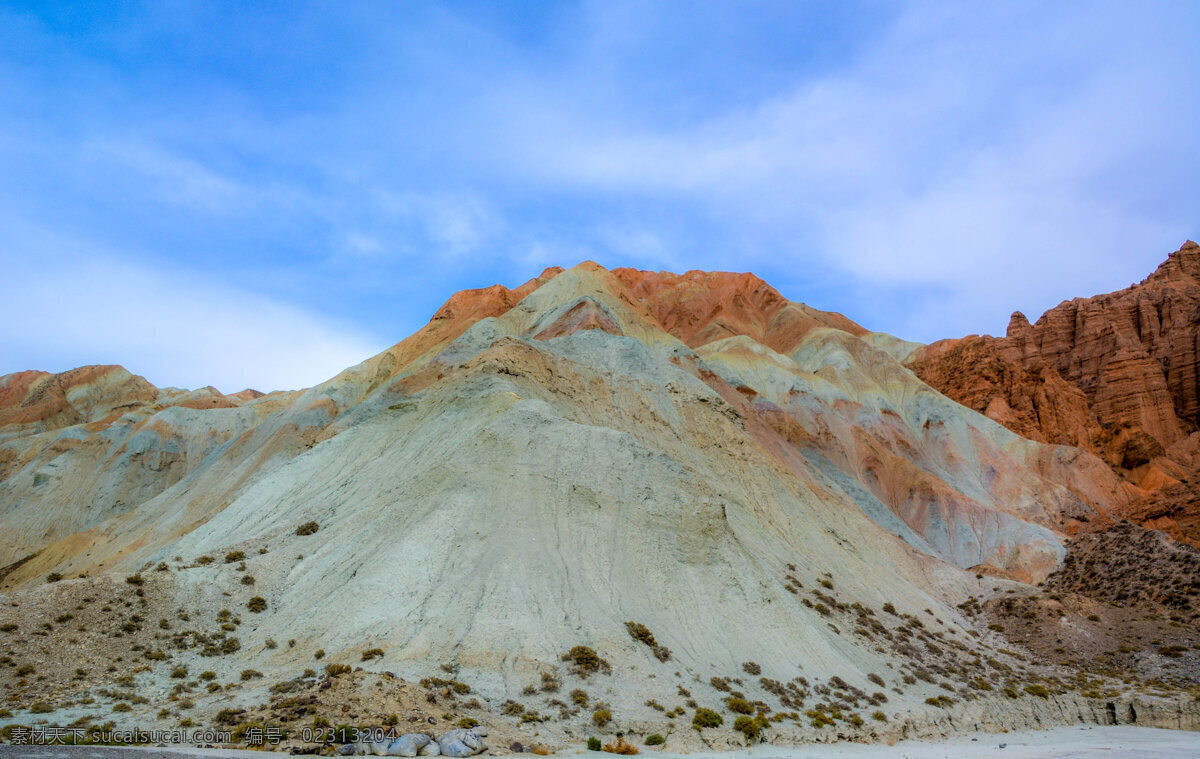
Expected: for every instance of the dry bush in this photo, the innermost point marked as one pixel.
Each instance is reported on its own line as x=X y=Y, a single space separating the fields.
x=621 y=747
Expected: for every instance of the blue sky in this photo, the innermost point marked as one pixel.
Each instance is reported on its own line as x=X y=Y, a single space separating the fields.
x=262 y=194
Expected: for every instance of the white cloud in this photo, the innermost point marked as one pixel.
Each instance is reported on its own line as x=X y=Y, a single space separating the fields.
x=173 y=327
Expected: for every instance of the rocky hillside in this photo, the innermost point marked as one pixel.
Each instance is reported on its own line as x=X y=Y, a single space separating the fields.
x=1115 y=374
x=669 y=492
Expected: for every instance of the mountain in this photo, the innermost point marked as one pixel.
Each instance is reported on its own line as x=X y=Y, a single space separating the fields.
x=672 y=491
x=1115 y=374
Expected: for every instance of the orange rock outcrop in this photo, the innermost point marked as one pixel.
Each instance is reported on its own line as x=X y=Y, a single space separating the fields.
x=1116 y=374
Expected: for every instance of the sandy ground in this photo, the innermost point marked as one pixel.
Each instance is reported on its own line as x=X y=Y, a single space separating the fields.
x=1059 y=743
x=1118 y=742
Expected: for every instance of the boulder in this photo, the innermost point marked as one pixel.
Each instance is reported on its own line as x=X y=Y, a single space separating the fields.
x=409 y=744
x=460 y=743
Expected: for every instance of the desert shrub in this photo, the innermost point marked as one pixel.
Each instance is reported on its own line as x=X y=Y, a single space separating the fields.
x=467 y=723
x=204 y=560
x=942 y=701
x=586 y=661
x=855 y=720
x=751 y=726
x=621 y=747
x=593 y=743
x=750 y=668
x=601 y=717
x=233 y=556
x=319 y=653
x=208 y=675
x=122 y=707
x=257 y=604
x=134 y=580
x=706 y=718
x=719 y=683
x=739 y=705
x=641 y=633
x=876 y=679
x=41 y=707
x=579 y=697
x=655 y=739
x=308 y=528
x=372 y=653
x=179 y=672
x=8 y=627
x=53 y=577
x=1094 y=617
x=247 y=579
x=251 y=674
x=890 y=609
x=271 y=644
x=1037 y=690
x=879 y=716
x=333 y=670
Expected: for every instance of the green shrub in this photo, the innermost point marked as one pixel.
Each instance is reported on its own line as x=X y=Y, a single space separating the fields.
x=1037 y=690
x=706 y=718
x=739 y=705
x=879 y=716
x=308 y=528
x=601 y=717
x=467 y=723
x=751 y=726
x=655 y=740
x=579 y=697
x=179 y=672
x=593 y=743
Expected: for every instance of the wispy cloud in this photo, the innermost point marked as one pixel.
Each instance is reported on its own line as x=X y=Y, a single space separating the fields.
x=84 y=306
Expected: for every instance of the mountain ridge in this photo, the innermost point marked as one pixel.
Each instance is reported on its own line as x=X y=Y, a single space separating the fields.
x=535 y=469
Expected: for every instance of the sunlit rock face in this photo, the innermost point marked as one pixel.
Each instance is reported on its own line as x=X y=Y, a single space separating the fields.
x=536 y=466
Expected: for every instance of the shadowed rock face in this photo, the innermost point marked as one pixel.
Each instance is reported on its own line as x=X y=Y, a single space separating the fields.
x=1115 y=374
